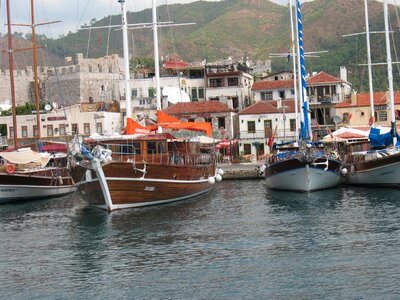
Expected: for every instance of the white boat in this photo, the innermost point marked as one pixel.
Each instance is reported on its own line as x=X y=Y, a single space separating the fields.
x=308 y=167
x=379 y=166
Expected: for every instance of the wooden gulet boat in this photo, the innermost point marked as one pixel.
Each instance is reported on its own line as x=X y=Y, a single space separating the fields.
x=27 y=174
x=379 y=166
x=142 y=168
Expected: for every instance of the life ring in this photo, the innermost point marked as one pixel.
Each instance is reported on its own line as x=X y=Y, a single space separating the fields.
x=10 y=168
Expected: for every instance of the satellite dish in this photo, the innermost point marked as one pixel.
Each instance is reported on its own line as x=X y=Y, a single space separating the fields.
x=47 y=107
x=175 y=95
x=337 y=119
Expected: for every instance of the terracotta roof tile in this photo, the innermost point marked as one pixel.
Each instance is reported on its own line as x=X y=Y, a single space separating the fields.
x=322 y=77
x=268 y=107
x=198 y=107
x=269 y=85
x=363 y=100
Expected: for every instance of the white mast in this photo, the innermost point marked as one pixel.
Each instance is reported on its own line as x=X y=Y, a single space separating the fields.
x=296 y=102
x=126 y=60
x=156 y=55
x=371 y=87
x=390 y=72
x=156 y=59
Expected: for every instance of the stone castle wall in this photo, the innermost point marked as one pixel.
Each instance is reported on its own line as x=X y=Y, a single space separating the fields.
x=80 y=80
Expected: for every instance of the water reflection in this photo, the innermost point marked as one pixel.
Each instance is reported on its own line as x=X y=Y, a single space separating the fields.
x=240 y=241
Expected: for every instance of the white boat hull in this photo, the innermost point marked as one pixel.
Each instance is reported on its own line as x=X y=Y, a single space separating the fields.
x=304 y=179
x=12 y=193
x=387 y=175
x=299 y=174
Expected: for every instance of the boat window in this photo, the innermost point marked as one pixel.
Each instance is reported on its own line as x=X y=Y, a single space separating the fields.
x=161 y=147
x=130 y=149
x=151 y=147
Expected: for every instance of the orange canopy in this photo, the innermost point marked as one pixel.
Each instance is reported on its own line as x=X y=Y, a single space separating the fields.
x=162 y=117
x=133 y=127
x=169 y=122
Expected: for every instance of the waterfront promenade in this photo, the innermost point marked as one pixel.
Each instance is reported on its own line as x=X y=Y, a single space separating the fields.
x=241 y=170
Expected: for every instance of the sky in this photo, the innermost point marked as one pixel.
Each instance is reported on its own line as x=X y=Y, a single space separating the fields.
x=74 y=13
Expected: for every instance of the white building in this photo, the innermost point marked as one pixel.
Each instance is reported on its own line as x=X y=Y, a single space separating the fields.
x=83 y=119
x=258 y=122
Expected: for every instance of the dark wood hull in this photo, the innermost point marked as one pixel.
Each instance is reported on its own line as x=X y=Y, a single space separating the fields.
x=37 y=184
x=130 y=187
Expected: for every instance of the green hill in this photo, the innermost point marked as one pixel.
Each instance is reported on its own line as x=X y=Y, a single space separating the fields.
x=253 y=28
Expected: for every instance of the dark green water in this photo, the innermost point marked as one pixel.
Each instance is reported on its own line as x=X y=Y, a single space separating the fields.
x=240 y=241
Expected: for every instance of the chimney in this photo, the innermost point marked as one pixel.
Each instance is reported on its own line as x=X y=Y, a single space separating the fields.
x=278 y=103
x=354 y=98
x=343 y=73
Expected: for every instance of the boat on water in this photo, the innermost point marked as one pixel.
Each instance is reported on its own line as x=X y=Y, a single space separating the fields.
x=378 y=163
x=303 y=166
x=144 y=166
x=142 y=169
x=302 y=169
x=374 y=162
x=27 y=174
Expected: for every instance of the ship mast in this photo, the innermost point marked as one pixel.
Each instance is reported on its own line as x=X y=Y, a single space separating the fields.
x=11 y=66
x=156 y=60
x=371 y=87
x=390 y=73
x=126 y=60
x=35 y=71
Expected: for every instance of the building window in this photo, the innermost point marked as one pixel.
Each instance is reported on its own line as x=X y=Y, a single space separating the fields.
x=268 y=128
x=74 y=128
x=134 y=93
x=221 y=122
x=292 y=124
x=50 y=131
x=24 y=130
x=282 y=95
x=397 y=114
x=247 y=149
x=292 y=91
x=86 y=128
x=99 y=128
x=266 y=95
x=194 y=94
x=209 y=120
x=151 y=92
x=251 y=126
x=61 y=129
x=382 y=115
x=102 y=88
x=201 y=93
x=35 y=133
x=233 y=81
x=11 y=132
x=216 y=82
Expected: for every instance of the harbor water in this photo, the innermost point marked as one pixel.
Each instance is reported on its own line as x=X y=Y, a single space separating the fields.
x=240 y=241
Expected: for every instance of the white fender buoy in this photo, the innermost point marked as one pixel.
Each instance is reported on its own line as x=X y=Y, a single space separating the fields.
x=211 y=180
x=218 y=178
x=344 y=171
x=220 y=171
